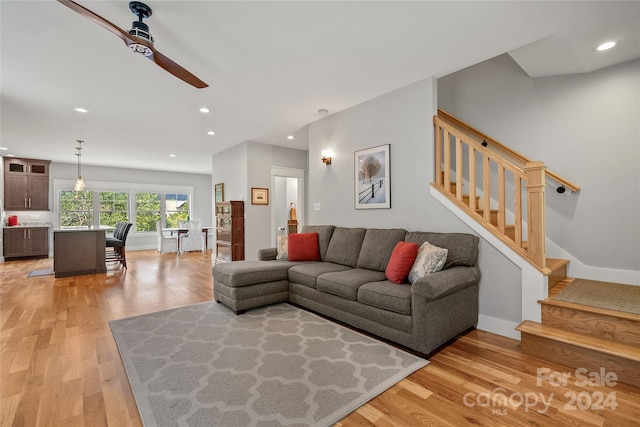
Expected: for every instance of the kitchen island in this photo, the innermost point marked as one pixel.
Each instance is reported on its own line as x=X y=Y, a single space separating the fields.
x=79 y=250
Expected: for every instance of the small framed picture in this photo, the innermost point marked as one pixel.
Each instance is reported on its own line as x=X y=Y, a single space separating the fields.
x=259 y=196
x=219 y=192
x=372 y=178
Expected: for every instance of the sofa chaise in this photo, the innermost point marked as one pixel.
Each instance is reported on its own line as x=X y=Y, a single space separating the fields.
x=348 y=283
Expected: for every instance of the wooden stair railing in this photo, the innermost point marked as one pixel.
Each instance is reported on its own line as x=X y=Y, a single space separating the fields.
x=454 y=168
x=502 y=149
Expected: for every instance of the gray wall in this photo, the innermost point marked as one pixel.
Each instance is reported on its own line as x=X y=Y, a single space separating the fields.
x=585 y=127
x=249 y=165
x=403 y=119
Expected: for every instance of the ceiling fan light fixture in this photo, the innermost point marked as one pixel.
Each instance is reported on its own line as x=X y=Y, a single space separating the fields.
x=141 y=49
x=139 y=29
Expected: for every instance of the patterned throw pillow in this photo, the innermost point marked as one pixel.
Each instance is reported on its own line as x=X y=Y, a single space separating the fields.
x=429 y=260
x=283 y=248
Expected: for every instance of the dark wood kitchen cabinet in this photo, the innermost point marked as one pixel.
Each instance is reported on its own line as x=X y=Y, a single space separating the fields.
x=22 y=242
x=26 y=184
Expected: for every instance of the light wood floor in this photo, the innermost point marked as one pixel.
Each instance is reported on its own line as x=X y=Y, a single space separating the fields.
x=59 y=365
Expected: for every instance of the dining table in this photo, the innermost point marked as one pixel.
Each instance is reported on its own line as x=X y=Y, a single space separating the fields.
x=184 y=230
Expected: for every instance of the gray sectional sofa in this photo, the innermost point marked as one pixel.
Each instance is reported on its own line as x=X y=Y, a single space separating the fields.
x=349 y=285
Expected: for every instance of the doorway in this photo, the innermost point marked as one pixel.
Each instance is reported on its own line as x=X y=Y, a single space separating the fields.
x=287 y=188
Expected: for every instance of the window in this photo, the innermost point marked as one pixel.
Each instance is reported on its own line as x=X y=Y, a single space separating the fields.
x=106 y=203
x=176 y=208
x=76 y=208
x=147 y=211
x=114 y=207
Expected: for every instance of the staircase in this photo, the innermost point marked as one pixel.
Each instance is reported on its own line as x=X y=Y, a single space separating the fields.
x=494 y=186
x=587 y=337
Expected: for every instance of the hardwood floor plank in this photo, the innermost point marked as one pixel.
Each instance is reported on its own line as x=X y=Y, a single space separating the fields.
x=59 y=364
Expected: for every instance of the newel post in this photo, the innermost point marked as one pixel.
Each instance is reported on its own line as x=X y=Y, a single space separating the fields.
x=537 y=226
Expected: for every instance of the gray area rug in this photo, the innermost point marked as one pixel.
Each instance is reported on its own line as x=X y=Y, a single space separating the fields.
x=611 y=296
x=279 y=365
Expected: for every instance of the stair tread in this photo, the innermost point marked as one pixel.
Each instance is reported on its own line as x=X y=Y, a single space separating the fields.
x=553 y=263
x=585 y=341
x=591 y=309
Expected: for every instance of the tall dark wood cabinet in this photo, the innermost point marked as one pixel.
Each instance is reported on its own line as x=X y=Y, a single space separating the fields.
x=26 y=184
x=230 y=231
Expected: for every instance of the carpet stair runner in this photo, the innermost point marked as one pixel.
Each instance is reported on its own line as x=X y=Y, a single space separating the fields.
x=583 y=336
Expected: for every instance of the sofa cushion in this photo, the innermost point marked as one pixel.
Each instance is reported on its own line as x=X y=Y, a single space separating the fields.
x=346 y=283
x=344 y=247
x=463 y=248
x=386 y=295
x=307 y=274
x=304 y=247
x=377 y=247
x=430 y=259
x=245 y=273
x=401 y=262
x=324 y=236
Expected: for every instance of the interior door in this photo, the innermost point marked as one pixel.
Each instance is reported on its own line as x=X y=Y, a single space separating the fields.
x=287 y=189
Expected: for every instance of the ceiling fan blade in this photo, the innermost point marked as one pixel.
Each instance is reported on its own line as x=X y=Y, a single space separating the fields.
x=98 y=20
x=130 y=40
x=176 y=70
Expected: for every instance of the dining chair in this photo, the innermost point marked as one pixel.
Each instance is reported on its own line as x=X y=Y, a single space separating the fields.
x=166 y=243
x=118 y=243
x=193 y=240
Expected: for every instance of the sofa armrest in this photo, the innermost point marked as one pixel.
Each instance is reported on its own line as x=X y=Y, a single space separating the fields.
x=268 y=254
x=445 y=282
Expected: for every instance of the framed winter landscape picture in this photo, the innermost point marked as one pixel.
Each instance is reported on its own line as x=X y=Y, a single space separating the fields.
x=372 y=178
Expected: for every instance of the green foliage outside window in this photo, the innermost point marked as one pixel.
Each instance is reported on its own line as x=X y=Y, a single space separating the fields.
x=76 y=208
x=176 y=209
x=114 y=207
x=147 y=211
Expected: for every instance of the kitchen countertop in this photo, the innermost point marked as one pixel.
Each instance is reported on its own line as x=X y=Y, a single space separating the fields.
x=29 y=225
x=82 y=228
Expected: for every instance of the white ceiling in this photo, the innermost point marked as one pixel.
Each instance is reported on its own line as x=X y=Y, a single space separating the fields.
x=269 y=65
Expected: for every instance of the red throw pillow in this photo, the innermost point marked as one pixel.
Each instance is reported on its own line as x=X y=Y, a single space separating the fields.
x=401 y=261
x=304 y=247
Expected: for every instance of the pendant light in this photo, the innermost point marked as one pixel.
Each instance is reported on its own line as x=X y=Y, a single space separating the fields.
x=79 y=185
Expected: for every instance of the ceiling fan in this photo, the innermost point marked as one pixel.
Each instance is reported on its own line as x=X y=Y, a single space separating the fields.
x=138 y=38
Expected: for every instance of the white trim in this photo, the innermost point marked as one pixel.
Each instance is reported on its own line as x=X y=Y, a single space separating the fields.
x=498 y=326
x=577 y=269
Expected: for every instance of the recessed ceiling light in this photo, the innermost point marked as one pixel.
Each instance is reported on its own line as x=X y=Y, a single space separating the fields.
x=81 y=110
x=204 y=110
x=290 y=137
x=323 y=111
x=3 y=148
x=11 y=155
x=211 y=132
x=172 y=155
x=605 y=46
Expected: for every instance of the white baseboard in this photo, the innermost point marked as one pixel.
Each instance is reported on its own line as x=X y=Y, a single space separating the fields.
x=577 y=269
x=498 y=326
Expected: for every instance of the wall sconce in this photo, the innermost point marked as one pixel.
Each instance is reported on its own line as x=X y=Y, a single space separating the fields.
x=326 y=157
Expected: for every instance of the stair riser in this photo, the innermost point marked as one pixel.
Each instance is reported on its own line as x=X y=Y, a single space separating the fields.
x=557 y=275
x=606 y=327
x=627 y=371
